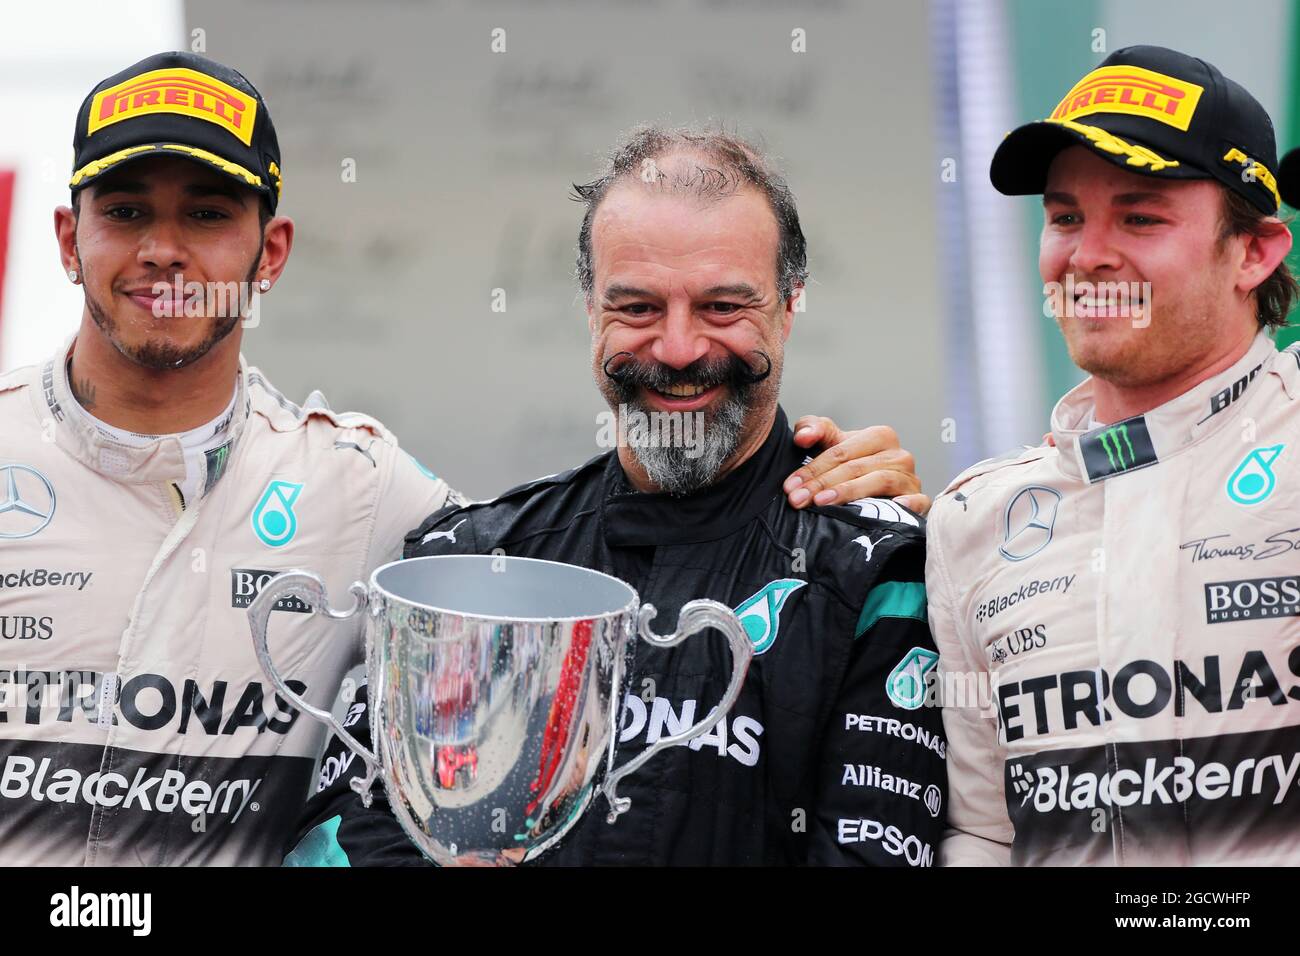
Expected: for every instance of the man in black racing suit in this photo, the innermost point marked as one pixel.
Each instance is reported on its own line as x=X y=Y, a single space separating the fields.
x=822 y=759
x=829 y=755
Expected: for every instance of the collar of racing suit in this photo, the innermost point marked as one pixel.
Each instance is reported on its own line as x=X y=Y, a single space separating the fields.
x=157 y=462
x=1165 y=430
x=635 y=518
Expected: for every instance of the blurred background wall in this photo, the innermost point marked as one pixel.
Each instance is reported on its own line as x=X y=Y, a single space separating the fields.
x=426 y=170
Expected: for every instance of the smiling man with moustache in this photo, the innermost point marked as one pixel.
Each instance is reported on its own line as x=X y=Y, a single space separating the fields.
x=151 y=482
x=1115 y=692
x=690 y=257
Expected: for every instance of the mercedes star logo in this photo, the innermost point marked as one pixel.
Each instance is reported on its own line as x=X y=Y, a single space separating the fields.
x=26 y=501
x=1028 y=522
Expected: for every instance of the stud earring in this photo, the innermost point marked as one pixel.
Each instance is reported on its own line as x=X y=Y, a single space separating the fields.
x=72 y=276
x=264 y=285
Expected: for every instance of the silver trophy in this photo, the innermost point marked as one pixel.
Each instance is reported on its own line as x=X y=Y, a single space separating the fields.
x=496 y=694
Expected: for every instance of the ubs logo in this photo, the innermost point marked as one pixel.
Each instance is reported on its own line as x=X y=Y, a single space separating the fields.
x=1020 y=641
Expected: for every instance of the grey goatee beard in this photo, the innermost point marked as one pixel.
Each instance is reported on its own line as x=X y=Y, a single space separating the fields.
x=684 y=467
x=680 y=470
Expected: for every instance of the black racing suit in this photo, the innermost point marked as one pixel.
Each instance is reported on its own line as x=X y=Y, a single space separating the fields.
x=831 y=755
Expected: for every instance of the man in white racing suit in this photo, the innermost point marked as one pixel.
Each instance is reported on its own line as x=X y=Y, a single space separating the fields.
x=151 y=484
x=1118 y=611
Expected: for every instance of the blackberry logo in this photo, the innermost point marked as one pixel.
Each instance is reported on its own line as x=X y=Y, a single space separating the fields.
x=1165 y=781
x=987 y=610
x=43 y=577
x=22 y=777
x=1022 y=782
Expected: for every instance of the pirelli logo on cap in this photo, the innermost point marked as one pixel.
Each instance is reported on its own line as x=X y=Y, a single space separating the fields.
x=1133 y=90
x=177 y=90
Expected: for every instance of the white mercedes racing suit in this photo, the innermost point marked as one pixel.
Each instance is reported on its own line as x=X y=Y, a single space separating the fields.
x=136 y=726
x=1118 y=621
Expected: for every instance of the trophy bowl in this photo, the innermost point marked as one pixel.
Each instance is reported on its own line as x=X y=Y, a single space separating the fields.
x=497 y=688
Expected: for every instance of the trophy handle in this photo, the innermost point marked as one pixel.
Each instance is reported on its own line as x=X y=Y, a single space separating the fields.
x=695 y=617
x=310 y=589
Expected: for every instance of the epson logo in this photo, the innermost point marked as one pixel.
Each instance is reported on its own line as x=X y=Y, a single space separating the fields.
x=1256 y=599
x=247 y=583
x=891 y=839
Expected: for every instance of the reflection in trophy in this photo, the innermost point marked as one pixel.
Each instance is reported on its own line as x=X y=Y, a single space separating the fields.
x=496 y=694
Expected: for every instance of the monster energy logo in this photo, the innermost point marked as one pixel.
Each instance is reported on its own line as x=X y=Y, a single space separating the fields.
x=216 y=460
x=1110 y=441
x=1115 y=449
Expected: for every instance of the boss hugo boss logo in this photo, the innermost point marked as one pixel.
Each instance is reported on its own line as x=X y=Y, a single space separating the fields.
x=26 y=501
x=1028 y=522
x=247 y=583
x=1222 y=399
x=1256 y=599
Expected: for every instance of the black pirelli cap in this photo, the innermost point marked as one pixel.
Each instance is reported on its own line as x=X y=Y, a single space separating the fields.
x=178 y=104
x=1156 y=112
